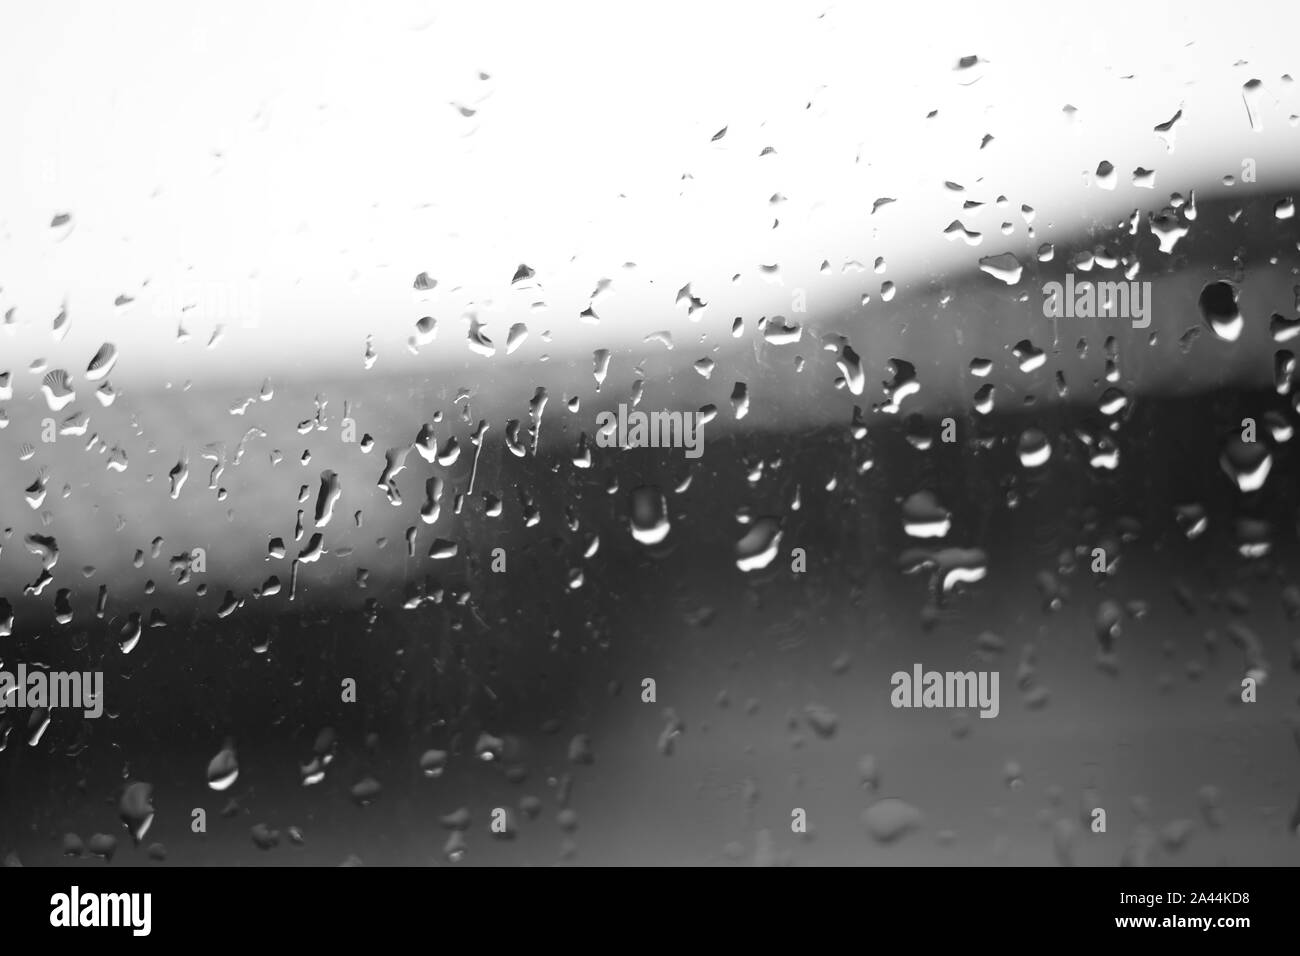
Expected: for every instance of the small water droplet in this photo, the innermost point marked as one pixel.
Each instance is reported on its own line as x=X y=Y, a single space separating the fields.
x=759 y=545
x=648 y=518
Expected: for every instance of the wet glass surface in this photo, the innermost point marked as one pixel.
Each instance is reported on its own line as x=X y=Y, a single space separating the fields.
x=441 y=436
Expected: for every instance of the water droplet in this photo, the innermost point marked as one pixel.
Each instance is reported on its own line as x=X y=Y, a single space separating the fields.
x=580 y=750
x=1030 y=358
x=776 y=331
x=1166 y=130
x=433 y=763
x=1113 y=401
x=331 y=489
x=600 y=360
x=479 y=343
x=1218 y=305
x=890 y=819
x=1246 y=463
x=516 y=337
x=1192 y=520
x=223 y=769
x=903 y=384
x=1105 y=175
x=1034 y=448
x=136 y=809
x=103 y=846
x=1013 y=775
x=648 y=517
x=102 y=363
x=955 y=230
x=263 y=837
x=822 y=720
x=1004 y=267
x=58 y=391
x=366 y=791
x=924 y=517
x=1283 y=329
x=61 y=226
x=759 y=545
x=1252 y=97
x=740 y=400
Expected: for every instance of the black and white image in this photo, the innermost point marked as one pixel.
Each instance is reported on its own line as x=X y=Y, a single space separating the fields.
x=713 y=434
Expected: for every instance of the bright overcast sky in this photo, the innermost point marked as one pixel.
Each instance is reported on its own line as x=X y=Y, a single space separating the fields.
x=313 y=158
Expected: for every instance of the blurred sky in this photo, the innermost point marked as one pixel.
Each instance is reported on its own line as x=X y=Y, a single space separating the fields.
x=289 y=168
